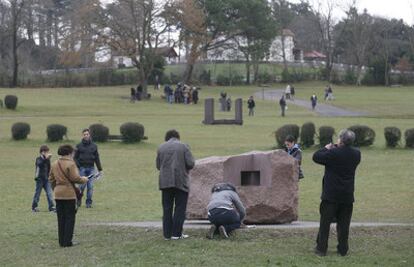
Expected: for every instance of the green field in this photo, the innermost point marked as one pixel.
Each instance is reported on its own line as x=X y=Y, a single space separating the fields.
x=384 y=185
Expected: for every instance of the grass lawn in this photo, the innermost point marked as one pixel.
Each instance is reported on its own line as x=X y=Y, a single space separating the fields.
x=384 y=185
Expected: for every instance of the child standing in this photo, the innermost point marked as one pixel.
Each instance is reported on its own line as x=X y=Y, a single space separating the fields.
x=251 y=104
x=41 y=177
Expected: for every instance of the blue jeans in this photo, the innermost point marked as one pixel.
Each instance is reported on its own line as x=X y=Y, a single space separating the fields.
x=43 y=183
x=86 y=171
x=230 y=219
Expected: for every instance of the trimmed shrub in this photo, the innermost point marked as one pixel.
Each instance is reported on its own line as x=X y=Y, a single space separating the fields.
x=364 y=136
x=56 y=132
x=326 y=134
x=20 y=130
x=99 y=132
x=392 y=136
x=409 y=138
x=285 y=130
x=307 y=134
x=132 y=132
x=10 y=101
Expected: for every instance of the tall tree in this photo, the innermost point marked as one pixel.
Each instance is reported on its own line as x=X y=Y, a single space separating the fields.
x=256 y=29
x=356 y=38
x=283 y=15
x=133 y=28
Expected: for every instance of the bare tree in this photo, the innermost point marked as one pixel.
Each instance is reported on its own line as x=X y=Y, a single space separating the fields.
x=133 y=28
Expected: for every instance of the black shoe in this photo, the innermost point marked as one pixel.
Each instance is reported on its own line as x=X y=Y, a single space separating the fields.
x=343 y=254
x=88 y=206
x=211 y=231
x=223 y=232
x=319 y=253
x=52 y=209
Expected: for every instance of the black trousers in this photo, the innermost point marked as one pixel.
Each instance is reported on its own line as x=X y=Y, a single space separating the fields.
x=66 y=213
x=329 y=211
x=173 y=199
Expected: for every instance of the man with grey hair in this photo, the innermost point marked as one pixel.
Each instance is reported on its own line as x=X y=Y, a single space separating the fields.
x=340 y=161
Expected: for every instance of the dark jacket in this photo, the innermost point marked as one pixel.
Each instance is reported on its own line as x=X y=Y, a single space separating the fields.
x=87 y=155
x=339 y=178
x=251 y=104
x=282 y=102
x=42 y=168
x=174 y=160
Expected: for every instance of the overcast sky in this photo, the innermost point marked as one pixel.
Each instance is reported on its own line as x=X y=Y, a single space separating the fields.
x=399 y=9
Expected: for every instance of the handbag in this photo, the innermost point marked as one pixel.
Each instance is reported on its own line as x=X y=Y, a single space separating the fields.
x=78 y=192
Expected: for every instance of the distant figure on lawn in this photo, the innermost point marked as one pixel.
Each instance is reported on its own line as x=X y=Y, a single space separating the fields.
x=282 y=103
x=156 y=82
x=288 y=92
x=140 y=89
x=86 y=157
x=174 y=161
x=225 y=210
x=228 y=104
x=133 y=95
x=42 y=164
x=329 y=93
x=250 y=105
x=63 y=177
x=340 y=161
x=293 y=149
x=314 y=101
x=195 y=95
x=223 y=98
x=292 y=92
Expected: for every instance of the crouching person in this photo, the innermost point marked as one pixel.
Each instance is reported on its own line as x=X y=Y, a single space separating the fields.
x=225 y=210
x=63 y=176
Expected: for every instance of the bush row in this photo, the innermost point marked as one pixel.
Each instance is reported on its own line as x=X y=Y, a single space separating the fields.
x=131 y=132
x=364 y=135
x=10 y=101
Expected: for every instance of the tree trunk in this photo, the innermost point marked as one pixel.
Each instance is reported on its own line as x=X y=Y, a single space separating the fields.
x=41 y=30
x=247 y=71
x=14 y=52
x=191 y=59
x=285 y=66
x=359 y=75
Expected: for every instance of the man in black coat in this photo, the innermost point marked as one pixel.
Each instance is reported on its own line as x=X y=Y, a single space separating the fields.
x=86 y=156
x=340 y=161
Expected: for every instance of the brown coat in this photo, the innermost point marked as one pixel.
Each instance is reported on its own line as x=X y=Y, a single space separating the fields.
x=61 y=185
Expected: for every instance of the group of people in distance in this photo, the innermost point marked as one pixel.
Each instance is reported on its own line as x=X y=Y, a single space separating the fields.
x=183 y=94
x=72 y=167
x=290 y=92
x=225 y=209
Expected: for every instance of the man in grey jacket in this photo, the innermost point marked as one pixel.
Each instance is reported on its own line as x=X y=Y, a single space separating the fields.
x=174 y=160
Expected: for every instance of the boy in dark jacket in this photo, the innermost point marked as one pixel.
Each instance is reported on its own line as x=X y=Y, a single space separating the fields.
x=42 y=164
x=292 y=148
x=86 y=157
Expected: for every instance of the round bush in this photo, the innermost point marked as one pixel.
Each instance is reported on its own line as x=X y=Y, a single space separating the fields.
x=56 y=132
x=409 y=138
x=307 y=134
x=132 y=132
x=392 y=136
x=99 y=132
x=285 y=130
x=364 y=136
x=20 y=130
x=10 y=101
x=325 y=135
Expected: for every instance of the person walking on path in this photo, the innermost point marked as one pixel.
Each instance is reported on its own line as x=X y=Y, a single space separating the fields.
x=174 y=161
x=292 y=93
x=340 y=161
x=250 y=105
x=225 y=210
x=314 y=101
x=63 y=177
x=86 y=157
x=42 y=164
x=288 y=92
x=282 y=103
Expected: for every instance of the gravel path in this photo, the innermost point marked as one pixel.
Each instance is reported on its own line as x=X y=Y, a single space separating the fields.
x=198 y=224
x=322 y=109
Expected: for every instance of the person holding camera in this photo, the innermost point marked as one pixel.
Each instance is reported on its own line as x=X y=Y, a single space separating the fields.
x=42 y=164
x=225 y=210
x=63 y=176
x=340 y=161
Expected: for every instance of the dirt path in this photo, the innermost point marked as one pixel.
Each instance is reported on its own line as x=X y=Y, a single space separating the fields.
x=198 y=224
x=322 y=109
